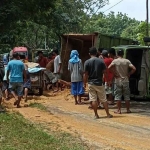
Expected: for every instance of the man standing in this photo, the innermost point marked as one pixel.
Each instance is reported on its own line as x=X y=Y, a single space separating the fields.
x=122 y=75
x=112 y=53
x=108 y=78
x=16 y=70
x=94 y=69
x=42 y=60
x=76 y=69
x=57 y=66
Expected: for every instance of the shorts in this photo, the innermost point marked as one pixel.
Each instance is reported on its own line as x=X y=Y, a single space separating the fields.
x=27 y=84
x=77 y=88
x=16 y=87
x=2 y=74
x=108 y=89
x=58 y=76
x=5 y=86
x=97 y=92
x=1 y=95
x=122 y=89
x=51 y=76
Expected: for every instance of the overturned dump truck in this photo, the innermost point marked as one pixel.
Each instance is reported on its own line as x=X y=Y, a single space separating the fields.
x=82 y=43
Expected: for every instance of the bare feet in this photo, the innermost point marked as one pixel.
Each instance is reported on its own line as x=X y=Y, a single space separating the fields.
x=76 y=102
x=118 y=112
x=80 y=103
x=2 y=109
x=86 y=99
x=55 y=91
x=16 y=102
x=129 y=111
x=18 y=106
x=25 y=100
x=7 y=98
x=96 y=117
x=109 y=116
x=90 y=107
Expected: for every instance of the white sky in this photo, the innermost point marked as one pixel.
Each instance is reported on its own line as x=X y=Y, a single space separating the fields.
x=134 y=8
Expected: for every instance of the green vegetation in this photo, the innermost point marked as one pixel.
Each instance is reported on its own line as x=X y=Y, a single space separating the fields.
x=30 y=24
x=37 y=105
x=16 y=133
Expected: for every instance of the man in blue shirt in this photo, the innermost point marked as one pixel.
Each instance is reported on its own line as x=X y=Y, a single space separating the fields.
x=16 y=70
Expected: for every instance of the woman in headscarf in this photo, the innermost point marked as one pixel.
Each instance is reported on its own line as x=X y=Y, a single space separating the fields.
x=75 y=67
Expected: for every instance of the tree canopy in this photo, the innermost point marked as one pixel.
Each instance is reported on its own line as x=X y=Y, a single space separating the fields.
x=33 y=22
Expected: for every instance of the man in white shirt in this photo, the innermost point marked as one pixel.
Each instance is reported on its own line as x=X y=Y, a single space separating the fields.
x=57 y=66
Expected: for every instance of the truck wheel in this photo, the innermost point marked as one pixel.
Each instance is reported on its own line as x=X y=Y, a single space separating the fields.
x=40 y=91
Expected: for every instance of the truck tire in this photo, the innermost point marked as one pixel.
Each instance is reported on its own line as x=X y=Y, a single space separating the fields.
x=40 y=91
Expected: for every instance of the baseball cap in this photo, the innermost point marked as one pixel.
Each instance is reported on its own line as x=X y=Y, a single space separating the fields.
x=104 y=52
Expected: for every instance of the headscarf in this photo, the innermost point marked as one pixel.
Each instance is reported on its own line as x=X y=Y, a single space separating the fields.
x=74 y=57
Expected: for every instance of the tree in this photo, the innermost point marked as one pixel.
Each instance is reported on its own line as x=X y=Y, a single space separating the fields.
x=111 y=24
x=39 y=19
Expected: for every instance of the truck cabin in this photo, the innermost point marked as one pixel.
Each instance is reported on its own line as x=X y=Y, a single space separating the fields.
x=21 y=51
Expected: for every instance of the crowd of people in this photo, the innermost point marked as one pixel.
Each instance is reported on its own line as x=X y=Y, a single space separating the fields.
x=105 y=76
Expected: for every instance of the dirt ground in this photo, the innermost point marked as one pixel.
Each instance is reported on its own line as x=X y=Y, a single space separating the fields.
x=123 y=132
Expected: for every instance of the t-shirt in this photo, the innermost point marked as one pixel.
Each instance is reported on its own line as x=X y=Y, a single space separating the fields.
x=57 y=62
x=11 y=55
x=110 y=75
x=16 y=68
x=95 y=67
x=76 y=71
x=5 y=76
x=50 y=66
x=43 y=62
x=121 y=69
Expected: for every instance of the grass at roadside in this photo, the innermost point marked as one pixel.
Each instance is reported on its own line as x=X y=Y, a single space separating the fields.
x=38 y=105
x=16 y=133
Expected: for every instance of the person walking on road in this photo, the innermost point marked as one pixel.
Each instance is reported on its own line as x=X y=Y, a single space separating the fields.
x=94 y=68
x=17 y=71
x=122 y=75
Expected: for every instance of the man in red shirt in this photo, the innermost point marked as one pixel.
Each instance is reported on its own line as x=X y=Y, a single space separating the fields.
x=42 y=60
x=108 y=77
